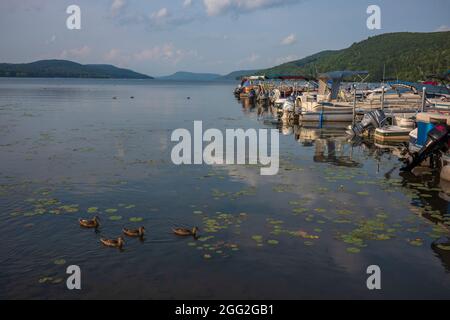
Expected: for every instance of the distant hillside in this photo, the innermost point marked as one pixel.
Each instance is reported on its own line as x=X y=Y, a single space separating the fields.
x=67 y=69
x=238 y=74
x=190 y=76
x=406 y=56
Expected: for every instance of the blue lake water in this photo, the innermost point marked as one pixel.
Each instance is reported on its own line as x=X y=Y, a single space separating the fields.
x=68 y=150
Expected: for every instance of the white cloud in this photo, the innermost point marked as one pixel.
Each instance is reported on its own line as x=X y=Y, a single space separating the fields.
x=217 y=7
x=159 y=17
x=187 y=3
x=76 y=53
x=117 y=7
x=443 y=28
x=161 y=14
x=289 y=40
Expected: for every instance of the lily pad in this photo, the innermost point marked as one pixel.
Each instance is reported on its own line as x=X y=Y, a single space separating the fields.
x=59 y=262
x=45 y=280
x=136 y=219
x=273 y=242
x=257 y=238
x=115 y=218
x=443 y=247
x=353 y=250
x=111 y=210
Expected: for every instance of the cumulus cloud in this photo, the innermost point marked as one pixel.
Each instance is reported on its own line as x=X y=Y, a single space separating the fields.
x=289 y=40
x=117 y=7
x=161 y=14
x=217 y=7
x=76 y=53
x=187 y=3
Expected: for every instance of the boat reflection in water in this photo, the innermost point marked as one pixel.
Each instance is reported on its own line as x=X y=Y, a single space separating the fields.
x=331 y=145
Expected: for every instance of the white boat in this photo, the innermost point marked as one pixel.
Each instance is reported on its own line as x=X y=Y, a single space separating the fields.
x=392 y=134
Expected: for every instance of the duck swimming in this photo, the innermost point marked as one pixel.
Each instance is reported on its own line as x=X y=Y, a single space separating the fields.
x=183 y=232
x=113 y=243
x=137 y=233
x=91 y=224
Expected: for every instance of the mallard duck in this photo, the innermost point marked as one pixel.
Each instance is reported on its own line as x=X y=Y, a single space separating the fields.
x=138 y=233
x=113 y=243
x=183 y=232
x=94 y=223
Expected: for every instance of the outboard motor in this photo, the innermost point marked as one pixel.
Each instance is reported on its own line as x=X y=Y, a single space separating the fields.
x=371 y=120
x=437 y=141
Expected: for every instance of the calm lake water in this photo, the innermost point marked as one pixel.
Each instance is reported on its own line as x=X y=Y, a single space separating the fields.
x=68 y=150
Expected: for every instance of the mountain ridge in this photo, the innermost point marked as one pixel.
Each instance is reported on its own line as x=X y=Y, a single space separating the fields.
x=67 y=69
x=410 y=56
x=190 y=76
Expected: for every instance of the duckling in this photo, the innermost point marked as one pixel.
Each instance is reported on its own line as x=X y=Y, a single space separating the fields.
x=183 y=232
x=91 y=224
x=113 y=243
x=138 y=233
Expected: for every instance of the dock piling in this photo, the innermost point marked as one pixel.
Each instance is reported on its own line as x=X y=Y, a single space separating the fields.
x=424 y=98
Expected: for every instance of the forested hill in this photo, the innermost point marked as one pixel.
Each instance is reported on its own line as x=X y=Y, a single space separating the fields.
x=405 y=56
x=67 y=69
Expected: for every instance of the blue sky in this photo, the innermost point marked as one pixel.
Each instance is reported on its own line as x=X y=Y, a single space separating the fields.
x=159 y=37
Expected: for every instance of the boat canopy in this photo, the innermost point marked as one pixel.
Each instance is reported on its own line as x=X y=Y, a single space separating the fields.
x=336 y=77
x=431 y=89
x=340 y=75
x=291 y=77
x=255 y=78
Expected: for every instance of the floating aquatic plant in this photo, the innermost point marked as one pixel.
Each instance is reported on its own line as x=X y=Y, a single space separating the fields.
x=59 y=262
x=353 y=250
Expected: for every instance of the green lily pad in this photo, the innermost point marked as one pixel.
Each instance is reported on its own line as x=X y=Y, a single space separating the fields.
x=353 y=250
x=92 y=210
x=111 y=210
x=416 y=243
x=257 y=238
x=115 y=218
x=45 y=280
x=443 y=247
x=273 y=242
x=136 y=219
x=59 y=262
